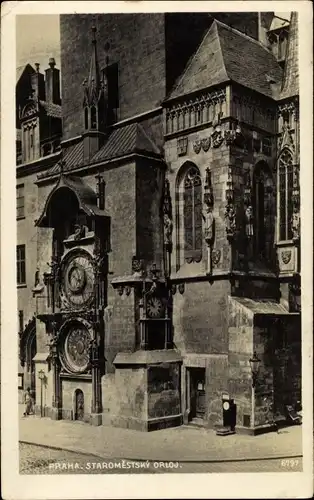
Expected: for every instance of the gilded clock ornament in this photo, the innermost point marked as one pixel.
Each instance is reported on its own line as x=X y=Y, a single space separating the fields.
x=154 y=307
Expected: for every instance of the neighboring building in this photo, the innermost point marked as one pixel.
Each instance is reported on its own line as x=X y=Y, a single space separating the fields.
x=38 y=135
x=171 y=223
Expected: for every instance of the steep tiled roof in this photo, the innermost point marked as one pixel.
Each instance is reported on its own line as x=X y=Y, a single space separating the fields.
x=290 y=87
x=227 y=54
x=53 y=110
x=20 y=71
x=121 y=141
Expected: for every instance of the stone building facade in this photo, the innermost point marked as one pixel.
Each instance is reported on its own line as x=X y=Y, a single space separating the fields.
x=168 y=231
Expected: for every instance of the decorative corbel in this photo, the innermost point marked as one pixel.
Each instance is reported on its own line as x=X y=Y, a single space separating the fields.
x=209 y=218
x=230 y=215
x=217 y=135
x=234 y=136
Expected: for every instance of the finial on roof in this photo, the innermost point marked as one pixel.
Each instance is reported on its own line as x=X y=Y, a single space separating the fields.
x=94 y=30
x=37 y=67
x=52 y=62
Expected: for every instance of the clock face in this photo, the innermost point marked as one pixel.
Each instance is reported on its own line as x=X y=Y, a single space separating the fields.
x=154 y=307
x=78 y=279
x=76 y=347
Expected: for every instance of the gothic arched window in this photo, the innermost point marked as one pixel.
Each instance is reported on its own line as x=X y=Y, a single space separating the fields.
x=263 y=212
x=192 y=215
x=93 y=117
x=285 y=195
x=86 y=118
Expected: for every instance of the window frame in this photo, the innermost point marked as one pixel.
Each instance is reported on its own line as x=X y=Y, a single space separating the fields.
x=22 y=215
x=285 y=171
x=20 y=265
x=185 y=254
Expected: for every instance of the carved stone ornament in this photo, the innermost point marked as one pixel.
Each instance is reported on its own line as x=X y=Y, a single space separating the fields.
x=167 y=216
x=137 y=265
x=286 y=138
x=182 y=146
x=197 y=146
x=286 y=256
x=181 y=288
x=127 y=290
x=173 y=289
x=217 y=137
x=234 y=136
x=120 y=290
x=205 y=143
x=295 y=226
x=216 y=255
x=230 y=218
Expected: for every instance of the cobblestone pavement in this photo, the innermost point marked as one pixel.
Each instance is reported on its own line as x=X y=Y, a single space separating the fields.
x=42 y=460
x=180 y=443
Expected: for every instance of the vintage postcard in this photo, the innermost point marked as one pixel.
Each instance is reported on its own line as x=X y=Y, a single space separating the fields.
x=156 y=256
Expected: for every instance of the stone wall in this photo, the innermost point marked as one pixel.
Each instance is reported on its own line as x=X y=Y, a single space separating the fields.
x=136 y=42
x=68 y=388
x=131 y=397
x=149 y=186
x=200 y=318
x=240 y=350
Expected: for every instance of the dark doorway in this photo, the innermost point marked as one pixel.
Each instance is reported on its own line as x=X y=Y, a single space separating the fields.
x=197 y=393
x=79 y=405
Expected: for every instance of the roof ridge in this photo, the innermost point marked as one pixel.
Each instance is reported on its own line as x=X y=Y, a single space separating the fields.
x=247 y=37
x=221 y=51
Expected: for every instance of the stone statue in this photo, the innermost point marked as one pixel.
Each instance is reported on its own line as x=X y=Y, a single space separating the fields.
x=249 y=230
x=168 y=227
x=209 y=226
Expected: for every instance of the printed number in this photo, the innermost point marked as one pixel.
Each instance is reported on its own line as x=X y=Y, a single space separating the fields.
x=289 y=463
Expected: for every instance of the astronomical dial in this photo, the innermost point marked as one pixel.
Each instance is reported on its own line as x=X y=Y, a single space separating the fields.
x=76 y=347
x=78 y=279
x=154 y=307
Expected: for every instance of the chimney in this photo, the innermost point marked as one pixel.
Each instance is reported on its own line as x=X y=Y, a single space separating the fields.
x=52 y=82
x=38 y=84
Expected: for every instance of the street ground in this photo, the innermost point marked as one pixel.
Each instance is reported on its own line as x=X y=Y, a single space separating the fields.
x=195 y=449
x=41 y=460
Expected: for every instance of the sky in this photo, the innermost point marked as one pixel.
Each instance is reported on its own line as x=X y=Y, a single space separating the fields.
x=38 y=38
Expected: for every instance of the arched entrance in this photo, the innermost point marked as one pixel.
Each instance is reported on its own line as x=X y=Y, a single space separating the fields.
x=79 y=405
x=28 y=349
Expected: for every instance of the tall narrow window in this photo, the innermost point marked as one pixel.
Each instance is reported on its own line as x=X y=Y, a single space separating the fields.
x=264 y=212
x=86 y=118
x=285 y=195
x=192 y=215
x=93 y=117
x=20 y=200
x=20 y=265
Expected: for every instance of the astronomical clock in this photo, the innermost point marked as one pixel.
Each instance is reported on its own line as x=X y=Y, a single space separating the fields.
x=77 y=280
x=76 y=338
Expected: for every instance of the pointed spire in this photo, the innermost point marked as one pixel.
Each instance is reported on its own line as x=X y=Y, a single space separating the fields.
x=93 y=86
x=290 y=85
